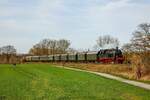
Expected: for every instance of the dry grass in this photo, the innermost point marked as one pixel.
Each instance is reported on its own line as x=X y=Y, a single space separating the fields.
x=123 y=70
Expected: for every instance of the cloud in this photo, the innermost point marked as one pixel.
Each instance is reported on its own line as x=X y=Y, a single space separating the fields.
x=10 y=24
x=118 y=18
x=116 y=4
x=79 y=21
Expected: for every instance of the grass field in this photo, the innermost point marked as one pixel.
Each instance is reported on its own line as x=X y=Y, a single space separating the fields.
x=47 y=82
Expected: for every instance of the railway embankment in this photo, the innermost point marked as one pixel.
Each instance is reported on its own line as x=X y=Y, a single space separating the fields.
x=121 y=70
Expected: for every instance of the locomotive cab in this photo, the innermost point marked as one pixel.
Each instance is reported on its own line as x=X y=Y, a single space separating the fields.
x=110 y=56
x=118 y=56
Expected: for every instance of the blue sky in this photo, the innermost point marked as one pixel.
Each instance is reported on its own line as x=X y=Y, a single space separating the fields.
x=25 y=22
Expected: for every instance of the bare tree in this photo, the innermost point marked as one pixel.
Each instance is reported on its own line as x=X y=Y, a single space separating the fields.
x=138 y=49
x=107 y=40
x=8 y=49
x=8 y=52
x=62 y=45
x=127 y=48
x=48 y=46
x=141 y=38
x=52 y=46
x=35 y=50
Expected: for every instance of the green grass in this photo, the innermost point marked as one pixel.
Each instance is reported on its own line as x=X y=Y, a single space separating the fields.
x=44 y=81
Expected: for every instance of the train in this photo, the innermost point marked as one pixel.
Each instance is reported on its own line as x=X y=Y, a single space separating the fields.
x=101 y=56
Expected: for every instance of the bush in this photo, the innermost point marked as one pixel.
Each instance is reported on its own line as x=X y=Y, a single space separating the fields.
x=140 y=63
x=146 y=62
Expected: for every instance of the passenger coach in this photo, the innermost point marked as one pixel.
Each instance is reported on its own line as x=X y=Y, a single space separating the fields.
x=102 y=56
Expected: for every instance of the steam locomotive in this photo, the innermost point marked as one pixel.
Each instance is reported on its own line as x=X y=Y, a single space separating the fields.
x=102 y=56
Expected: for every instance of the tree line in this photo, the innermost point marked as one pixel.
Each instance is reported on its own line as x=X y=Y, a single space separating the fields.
x=50 y=47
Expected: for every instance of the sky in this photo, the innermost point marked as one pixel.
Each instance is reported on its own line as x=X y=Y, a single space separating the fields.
x=24 y=23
